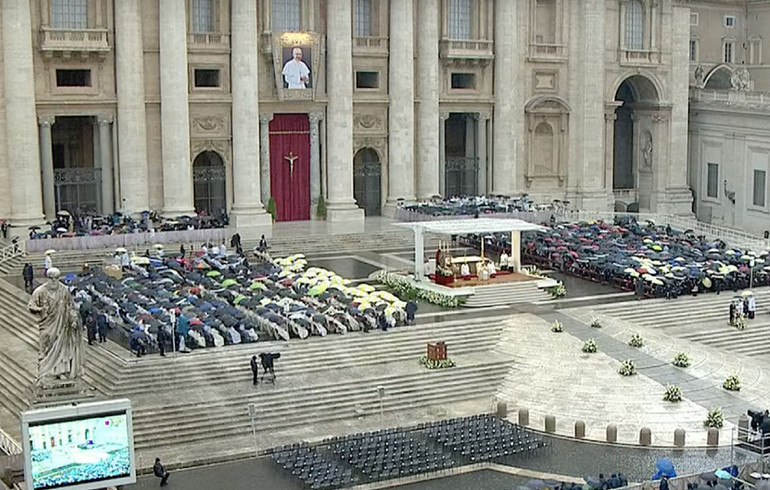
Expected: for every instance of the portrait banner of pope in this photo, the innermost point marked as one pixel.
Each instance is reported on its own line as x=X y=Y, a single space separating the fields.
x=297 y=67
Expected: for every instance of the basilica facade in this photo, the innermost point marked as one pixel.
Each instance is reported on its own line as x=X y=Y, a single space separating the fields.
x=340 y=108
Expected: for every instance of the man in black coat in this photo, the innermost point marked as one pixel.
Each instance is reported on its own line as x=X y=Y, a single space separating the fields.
x=162 y=338
x=266 y=359
x=254 y=370
x=161 y=472
x=411 y=309
x=101 y=327
x=29 y=274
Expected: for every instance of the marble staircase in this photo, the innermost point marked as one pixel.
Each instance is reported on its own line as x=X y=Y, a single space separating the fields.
x=506 y=294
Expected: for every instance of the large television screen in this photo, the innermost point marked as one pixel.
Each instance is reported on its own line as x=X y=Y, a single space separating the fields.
x=79 y=447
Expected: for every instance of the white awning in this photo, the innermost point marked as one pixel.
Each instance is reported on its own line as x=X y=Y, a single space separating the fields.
x=473 y=226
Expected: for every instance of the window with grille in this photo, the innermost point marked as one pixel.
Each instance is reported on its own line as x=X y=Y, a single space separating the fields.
x=202 y=15
x=760 y=177
x=729 y=52
x=712 y=184
x=287 y=15
x=693 y=50
x=363 y=26
x=460 y=17
x=634 y=24
x=729 y=21
x=69 y=14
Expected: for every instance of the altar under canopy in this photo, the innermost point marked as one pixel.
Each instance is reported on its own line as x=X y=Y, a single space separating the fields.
x=473 y=226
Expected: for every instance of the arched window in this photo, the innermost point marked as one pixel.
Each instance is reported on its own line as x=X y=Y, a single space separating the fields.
x=634 y=25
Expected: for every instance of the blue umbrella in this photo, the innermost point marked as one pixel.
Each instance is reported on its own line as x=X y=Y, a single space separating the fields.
x=665 y=468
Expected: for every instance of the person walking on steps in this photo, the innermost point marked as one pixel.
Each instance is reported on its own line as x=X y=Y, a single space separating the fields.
x=161 y=472
x=254 y=370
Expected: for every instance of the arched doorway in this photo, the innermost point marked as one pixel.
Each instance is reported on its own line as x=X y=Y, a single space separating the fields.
x=367 y=181
x=633 y=144
x=209 y=184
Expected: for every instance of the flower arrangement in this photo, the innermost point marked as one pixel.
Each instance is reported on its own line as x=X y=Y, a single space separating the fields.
x=636 y=340
x=589 y=346
x=715 y=418
x=558 y=291
x=320 y=210
x=673 y=393
x=404 y=289
x=271 y=209
x=627 y=368
x=435 y=364
x=596 y=323
x=732 y=383
x=556 y=327
x=739 y=322
x=681 y=360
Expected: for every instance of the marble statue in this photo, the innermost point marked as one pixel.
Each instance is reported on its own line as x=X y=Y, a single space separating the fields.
x=647 y=150
x=61 y=354
x=740 y=79
x=699 y=74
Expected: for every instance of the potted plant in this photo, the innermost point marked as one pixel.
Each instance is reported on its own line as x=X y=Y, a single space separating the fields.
x=271 y=208
x=596 y=323
x=320 y=210
x=672 y=394
x=556 y=327
x=681 y=360
x=627 y=368
x=558 y=291
x=732 y=383
x=636 y=341
x=436 y=364
x=589 y=347
x=715 y=418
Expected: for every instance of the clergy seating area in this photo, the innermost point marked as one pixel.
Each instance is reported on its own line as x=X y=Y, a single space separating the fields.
x=654 y=260
x=226 y=300
x=402 y=452
x=469 y=206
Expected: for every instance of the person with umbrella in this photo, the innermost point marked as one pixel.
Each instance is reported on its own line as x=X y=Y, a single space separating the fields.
x=266 y=359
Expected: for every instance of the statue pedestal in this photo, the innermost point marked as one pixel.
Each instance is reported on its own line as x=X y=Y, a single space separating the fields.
x=60 y=392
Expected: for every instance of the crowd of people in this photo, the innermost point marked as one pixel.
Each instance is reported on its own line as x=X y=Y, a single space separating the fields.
x=469 y=206
x=84 y=224
x=213 y=298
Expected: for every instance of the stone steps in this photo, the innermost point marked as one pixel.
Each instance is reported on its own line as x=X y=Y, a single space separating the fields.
x=506 y=294
x=321 y=404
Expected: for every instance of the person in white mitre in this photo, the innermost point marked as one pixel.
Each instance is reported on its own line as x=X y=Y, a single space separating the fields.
x=295 y=71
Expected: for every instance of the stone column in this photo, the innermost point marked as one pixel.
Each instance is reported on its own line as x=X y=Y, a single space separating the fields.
x=174 y=110
x=264 y=156
x=105 y=156
x=46 y=166
x=23 y=149
x=481 y=141
x=401 y=107
x=132 y=123
x=247 y=209
x=442 y=153
x=508 y=108
x=427 y=94
x=341 y=206
x=610 y=116
x=315 y=162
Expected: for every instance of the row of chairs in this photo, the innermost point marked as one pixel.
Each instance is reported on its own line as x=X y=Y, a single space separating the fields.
x=313 y=468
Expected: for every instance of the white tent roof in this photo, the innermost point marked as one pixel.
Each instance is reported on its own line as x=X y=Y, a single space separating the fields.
x=473 y=226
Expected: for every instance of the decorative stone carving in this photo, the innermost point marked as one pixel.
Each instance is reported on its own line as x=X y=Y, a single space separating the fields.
x=699 y=74
x=46 y=121
x=376 y=143
x=740 y=79
x=368 y=122
x=647 y=150
x=220 y=146
x=209 y=124
x=104 y=120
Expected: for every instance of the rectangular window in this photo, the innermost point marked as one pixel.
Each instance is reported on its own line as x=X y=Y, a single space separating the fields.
x=634 y=24
x=460 y=18
x=73 y=78
x=287 y=15
x=463 y=80
x=712 y=185
x=202 y=15
x=69 y=14
x=367 y=79
x=363 y=26
x=693 y=50
x=729 y=21
x=206 y=78
x=729 y=52
x=694 y=19
x=759 y=188
x=755 y=52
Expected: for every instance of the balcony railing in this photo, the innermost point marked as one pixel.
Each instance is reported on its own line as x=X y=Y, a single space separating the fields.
x=543 y=50
x=370 y=45
x=626 y=195
x=74 y=40
x=759 y=100
x=208 y=40
x=639 y=57
x=481 y=49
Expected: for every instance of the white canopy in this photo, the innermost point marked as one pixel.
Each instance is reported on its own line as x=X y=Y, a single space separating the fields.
x=473 y=226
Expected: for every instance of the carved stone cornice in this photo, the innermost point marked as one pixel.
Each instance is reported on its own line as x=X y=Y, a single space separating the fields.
x=367 y=122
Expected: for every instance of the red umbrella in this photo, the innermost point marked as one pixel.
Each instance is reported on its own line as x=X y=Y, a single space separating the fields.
x=196 y=321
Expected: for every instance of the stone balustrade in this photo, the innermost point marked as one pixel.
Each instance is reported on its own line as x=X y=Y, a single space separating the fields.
x=74 y=40
x=467 y=48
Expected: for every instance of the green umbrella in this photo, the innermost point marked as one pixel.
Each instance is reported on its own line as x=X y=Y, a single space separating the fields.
x=213 y=273
x=239 y=299
x=228 y=282
x=319 y=289
x=257 y=285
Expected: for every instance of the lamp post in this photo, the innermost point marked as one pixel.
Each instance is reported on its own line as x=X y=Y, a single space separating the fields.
x=253 y=417
x=381 y=395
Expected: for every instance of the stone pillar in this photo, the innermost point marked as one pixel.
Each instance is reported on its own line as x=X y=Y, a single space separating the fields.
x=105 y=160
x=609 y=144
x=247 y=210
x=524 y=417
x=401 y=107
x=174 y=110
x=508 y=109
x=315 y=162
x=23 y=149
x=612 y=433
x=550 y=424
x=661 y=162
x=429 y=134
x=341 y=206
x=132 y=123
x=264 y=156
x=46 y=167
x=481 y=150
x=442 y=153
x=516 y=250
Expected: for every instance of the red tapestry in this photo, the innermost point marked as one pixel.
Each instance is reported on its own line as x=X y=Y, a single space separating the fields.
x=290 y=166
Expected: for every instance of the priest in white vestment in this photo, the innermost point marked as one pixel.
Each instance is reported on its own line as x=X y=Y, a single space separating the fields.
x=295 y=71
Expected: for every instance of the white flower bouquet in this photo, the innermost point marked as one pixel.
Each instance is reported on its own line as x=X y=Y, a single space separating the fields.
x=681 y=360
x=557 y=327
x=732 y=383
x=636 y=341
x=673 y=394
x=589 y=346
x=715 y=418
x=627 y=368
